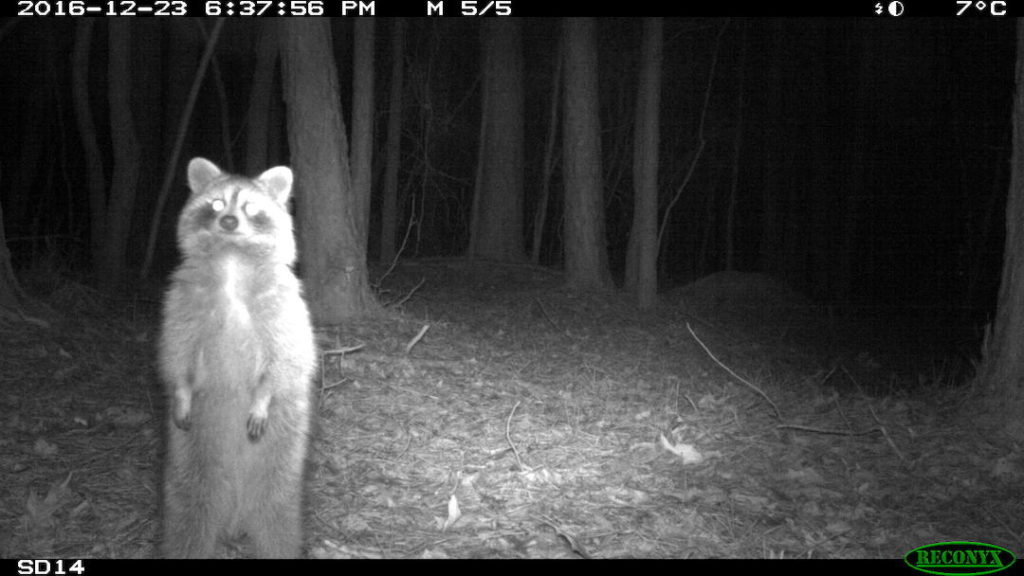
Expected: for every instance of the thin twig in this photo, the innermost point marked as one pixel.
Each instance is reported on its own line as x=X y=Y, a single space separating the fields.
x=411 y=292
x=831 y=431
x=778 y=414
x=885 y=433
x=324 y=386
x=545 y=313
x=343 y=351
x=508 y=437
x=394 y=261
x=566 y=536
x=412 y=343
x=881 y=428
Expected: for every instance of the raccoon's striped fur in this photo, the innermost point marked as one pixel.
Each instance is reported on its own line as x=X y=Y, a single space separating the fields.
x=237 y=355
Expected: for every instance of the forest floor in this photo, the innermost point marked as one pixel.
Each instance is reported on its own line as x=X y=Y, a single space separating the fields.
x=532 y=422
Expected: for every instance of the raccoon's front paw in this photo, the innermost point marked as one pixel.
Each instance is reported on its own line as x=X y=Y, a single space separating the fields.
x=182 y=412
x=183 y=422
x=256 y=425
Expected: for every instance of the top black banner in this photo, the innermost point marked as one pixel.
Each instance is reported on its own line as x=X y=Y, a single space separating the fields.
x=881 y=9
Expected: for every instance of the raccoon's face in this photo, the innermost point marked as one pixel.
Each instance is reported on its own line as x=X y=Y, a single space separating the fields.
x=232 y=213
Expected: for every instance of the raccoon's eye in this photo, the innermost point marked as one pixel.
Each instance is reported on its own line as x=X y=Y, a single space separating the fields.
x=218 y=205
x=251 y=210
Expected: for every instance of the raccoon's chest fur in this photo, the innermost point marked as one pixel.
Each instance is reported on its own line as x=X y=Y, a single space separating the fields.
x=235 y=303
x=229 y=304
x=234 y=354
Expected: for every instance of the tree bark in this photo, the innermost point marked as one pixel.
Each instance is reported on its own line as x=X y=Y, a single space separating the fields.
x=497 y=225
x=389 y=202
x=147 y=97
x=333 y=257
x=1002 y=370
x=10 y=290
x=772 y=219
x=540 y=217
x=362 y=123
x=586 y=256
x=642 y=252
x=111 y=268
x=258 y=121
x=95 y=181
x=737 y=146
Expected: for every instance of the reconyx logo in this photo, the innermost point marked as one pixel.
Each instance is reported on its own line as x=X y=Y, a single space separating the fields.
x=959 y=558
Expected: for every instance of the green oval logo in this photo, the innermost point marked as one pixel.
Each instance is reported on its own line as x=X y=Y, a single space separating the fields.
x=959 y=558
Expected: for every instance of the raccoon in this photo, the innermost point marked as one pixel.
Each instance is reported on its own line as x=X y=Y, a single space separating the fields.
x=237 y=356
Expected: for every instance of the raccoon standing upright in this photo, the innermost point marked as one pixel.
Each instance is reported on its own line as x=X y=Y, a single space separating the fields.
x=237 y=355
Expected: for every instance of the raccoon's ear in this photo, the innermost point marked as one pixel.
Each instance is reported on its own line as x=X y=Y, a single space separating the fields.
x=278 y=181
x=200 y=173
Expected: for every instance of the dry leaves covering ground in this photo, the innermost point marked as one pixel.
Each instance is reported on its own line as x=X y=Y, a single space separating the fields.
x=532 y=422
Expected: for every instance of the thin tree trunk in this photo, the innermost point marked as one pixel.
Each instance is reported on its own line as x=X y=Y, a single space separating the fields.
x=33 y=132
x=586 y=255
x=111 y=267
x=95 y=181
x=147 y=96
x=478 y=178
x=642 y=252
x=179 y=142
x=704 y=265
x=737 y=145
x=389 y=202
x=771 y=191
x=10 y=290
x=258 y=117
x=333 y=255
x=222 y=95
x=362 y=124
x=181 y=56
x=701 y=141
x=540 y=217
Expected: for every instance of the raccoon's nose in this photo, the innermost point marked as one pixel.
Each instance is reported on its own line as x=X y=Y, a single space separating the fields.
x=229 y=223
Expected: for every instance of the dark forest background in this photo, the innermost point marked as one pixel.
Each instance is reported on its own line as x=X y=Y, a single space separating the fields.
x=863 y=161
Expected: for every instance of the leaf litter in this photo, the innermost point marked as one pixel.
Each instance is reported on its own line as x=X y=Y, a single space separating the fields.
x=494 y=414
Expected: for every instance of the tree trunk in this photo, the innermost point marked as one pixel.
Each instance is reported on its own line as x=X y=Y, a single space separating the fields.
x=1002 y=370
x=217 y=82
x=33 y=133
x=737 y=145
x=95 y=181
x=181 y=57
x=541 y=215
x=642 y=252
x=111 y=268
x=333 y=258
x=709 y=228
x=10 y=290
x=497 y=225
x=389 y=202
x=586 y=256
x=147 y=96
x=772 y=219
x=362 y=124
x=258 y=122
x=180 y=60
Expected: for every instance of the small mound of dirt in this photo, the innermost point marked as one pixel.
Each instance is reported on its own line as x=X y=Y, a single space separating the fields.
x=746 y=293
